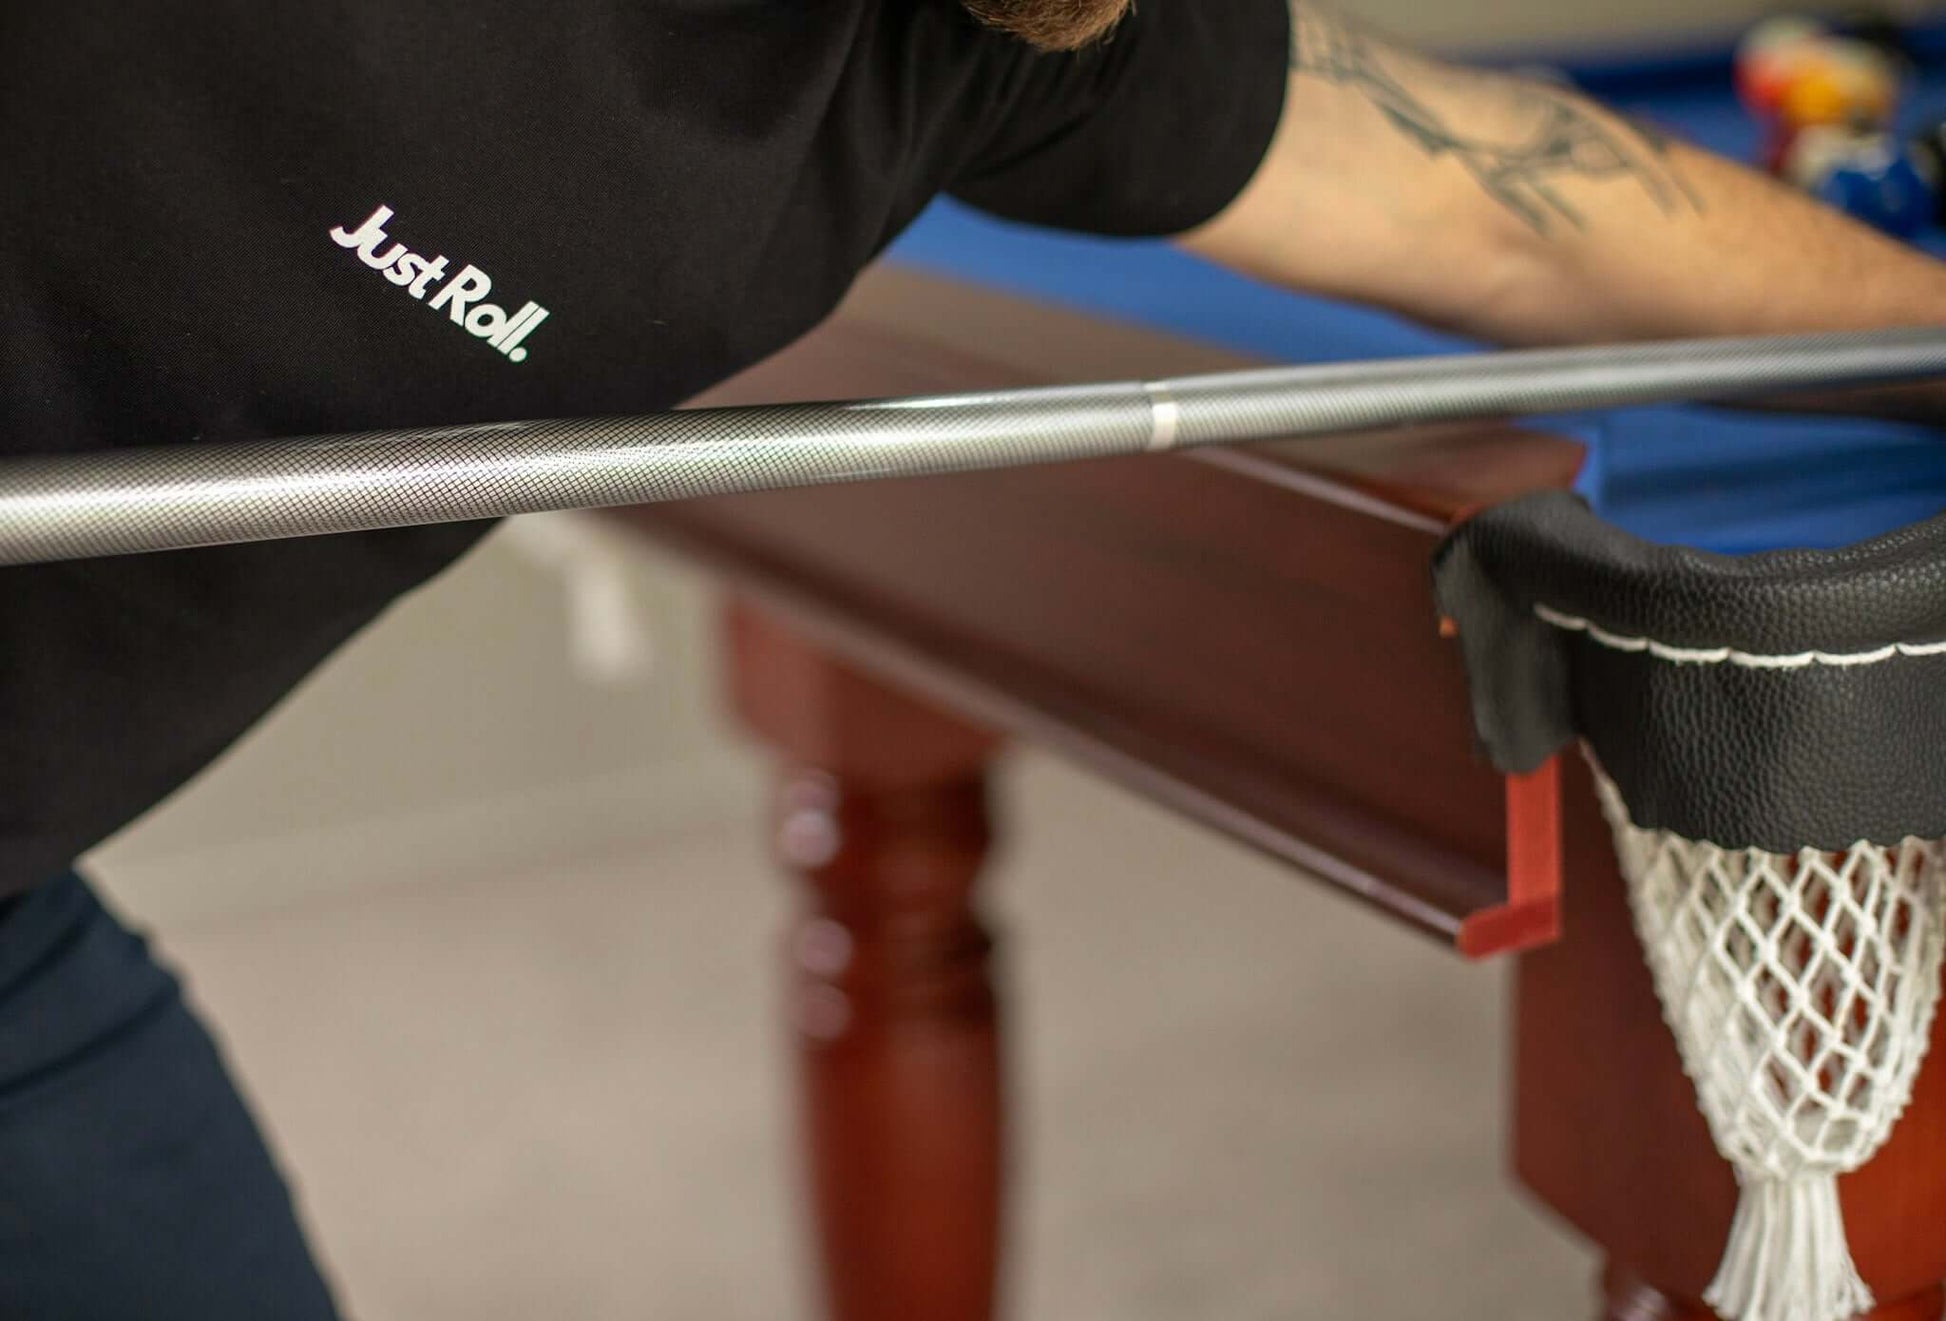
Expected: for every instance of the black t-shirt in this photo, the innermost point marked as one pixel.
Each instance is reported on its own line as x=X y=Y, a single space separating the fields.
x=242 y=218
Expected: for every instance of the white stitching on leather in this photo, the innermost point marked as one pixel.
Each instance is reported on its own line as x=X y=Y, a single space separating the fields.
x=1730 y=656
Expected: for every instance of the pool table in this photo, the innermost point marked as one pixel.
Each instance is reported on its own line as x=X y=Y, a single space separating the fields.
x=1246 y=635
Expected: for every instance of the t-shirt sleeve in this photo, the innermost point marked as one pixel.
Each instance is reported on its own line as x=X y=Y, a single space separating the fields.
x=1150 y=132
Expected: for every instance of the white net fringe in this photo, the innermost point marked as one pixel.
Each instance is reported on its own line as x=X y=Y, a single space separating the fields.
x=1800 y=988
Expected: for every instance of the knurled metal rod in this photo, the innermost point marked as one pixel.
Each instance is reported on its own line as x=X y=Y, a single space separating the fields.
x=122 y=501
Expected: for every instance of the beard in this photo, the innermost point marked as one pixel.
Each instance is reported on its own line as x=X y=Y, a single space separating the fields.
x=1051 y=24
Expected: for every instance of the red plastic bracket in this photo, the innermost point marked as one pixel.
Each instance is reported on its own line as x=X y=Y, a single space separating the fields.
x=1531 y=917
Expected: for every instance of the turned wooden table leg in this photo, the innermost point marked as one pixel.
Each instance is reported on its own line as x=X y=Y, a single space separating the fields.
x=881 y=813
x=900 y=1054
x=1626 y=1296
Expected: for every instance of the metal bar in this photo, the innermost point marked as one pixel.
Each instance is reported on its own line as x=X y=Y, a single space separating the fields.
x=114 y=502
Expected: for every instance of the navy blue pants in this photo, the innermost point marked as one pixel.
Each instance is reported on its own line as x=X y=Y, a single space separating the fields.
x=133 y=1182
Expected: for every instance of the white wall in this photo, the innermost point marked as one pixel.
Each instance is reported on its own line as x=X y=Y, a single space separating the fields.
x=1485 y=24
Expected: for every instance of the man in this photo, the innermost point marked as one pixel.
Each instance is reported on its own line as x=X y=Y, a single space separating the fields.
x=243 y=218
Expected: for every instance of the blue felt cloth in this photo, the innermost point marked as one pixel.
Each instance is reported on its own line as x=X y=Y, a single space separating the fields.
x=1719 y=481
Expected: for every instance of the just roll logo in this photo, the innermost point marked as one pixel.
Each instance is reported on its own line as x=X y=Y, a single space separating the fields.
x=463 y=297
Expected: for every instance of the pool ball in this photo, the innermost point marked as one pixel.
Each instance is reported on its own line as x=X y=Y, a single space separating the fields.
x=1837 y=81
x=1769 y=56
x=1874 y=178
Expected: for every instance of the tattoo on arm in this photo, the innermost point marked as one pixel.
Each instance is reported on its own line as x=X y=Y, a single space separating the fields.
x=1554 y=137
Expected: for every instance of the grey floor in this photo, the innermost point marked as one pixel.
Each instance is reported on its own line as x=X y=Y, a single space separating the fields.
x=561 y=1095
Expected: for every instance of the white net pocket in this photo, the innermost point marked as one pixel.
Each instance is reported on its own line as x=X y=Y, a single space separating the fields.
x=1800 y=989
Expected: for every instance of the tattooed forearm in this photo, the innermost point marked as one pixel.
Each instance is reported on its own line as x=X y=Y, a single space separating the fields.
x=1545 y=138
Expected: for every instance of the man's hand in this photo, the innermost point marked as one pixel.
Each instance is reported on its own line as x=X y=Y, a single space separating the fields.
x=1524 y=213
